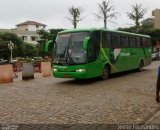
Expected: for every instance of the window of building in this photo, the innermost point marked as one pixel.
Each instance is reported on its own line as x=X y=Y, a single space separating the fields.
x=33 y=38
x=24 y=38
x=37 y=26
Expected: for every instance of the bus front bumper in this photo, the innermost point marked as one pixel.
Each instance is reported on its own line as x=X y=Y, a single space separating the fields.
x=80 y=74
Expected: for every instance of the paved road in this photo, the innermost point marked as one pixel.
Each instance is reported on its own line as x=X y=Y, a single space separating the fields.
x=124 y=98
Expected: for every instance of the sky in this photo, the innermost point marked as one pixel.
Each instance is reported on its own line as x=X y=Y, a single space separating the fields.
x=53 y=13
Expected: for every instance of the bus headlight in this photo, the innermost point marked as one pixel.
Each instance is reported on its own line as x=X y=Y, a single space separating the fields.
x=55 y=70
x=81 y=70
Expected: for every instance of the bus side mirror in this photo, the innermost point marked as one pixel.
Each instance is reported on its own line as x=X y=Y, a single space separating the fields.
x=86 y=42
x=48 y=44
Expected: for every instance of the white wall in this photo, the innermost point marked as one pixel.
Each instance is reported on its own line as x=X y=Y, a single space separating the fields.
x=28 y=39
x=40 y=27
x=24 y=27
x=31 y=27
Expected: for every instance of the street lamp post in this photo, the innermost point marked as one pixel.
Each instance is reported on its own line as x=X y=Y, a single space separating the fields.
x=11 y=46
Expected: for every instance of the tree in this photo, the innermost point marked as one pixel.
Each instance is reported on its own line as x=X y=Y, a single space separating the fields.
x=136 y=14
x=75 y=14
x=5 y=38
x=30 y=50
x=46 y=36
x=20 y=49
x=4 y=50
x=149 y=22
x=106 y=12
x=132 y=29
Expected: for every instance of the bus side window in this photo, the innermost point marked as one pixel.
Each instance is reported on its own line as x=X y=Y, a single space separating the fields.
x=116 y=41
x=124 y=40
x=109 y=39
x=106 y=39
x=138 y=42
x=149 y=42
x=94 y=46
x=132 y=41
x=144 y=42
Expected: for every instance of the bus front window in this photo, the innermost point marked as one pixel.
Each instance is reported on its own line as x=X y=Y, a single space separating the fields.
x=76 y=51
x=69 y=48
x=61 y=44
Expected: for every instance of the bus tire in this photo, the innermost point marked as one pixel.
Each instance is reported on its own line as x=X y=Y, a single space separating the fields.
x=105 y=74
x=141 y=65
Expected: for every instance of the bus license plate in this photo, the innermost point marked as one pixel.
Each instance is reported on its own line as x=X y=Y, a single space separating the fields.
x=66 y=76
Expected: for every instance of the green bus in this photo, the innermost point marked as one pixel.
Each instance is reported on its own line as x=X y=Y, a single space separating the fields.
x=88 y=53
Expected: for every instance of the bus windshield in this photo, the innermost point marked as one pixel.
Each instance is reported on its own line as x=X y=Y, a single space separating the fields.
x=68 y=48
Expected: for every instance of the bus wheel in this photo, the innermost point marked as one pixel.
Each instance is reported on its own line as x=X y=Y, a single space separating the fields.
x=105 y=73
x=141 y=65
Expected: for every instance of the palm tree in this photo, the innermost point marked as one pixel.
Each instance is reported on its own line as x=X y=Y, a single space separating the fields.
x=136 y=14
x=75 y=14
x=106 y=12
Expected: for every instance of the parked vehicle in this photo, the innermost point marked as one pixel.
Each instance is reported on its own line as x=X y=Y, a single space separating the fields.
x=2 y=61
x=155 y=56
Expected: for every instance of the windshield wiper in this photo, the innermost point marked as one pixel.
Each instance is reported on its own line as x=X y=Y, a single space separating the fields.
x=69 y=60
x=62 y=55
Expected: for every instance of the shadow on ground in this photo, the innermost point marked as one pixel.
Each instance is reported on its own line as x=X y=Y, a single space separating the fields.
x=98 y=79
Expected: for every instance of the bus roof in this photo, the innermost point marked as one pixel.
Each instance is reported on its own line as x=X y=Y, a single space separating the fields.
x=101 y=29
x=79 y=30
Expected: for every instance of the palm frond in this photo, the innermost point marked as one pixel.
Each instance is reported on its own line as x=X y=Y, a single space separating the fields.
x=106 y=12
x=75 y=14
x=69 y=19
x=98 y=17
x=112 y=22
x=137 y=13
